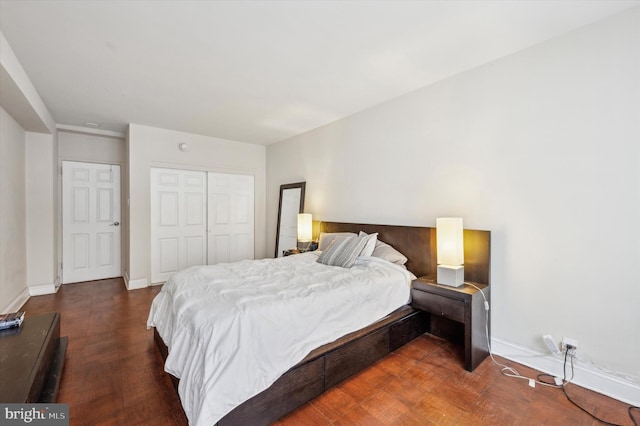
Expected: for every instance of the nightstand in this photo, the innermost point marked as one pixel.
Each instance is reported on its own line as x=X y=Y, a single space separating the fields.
x=299 y=250
x=457 y=314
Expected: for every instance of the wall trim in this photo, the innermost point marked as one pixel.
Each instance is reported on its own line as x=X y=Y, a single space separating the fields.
x=41 y=289
x=586 y=375
x=17 y=303
x=135 y=284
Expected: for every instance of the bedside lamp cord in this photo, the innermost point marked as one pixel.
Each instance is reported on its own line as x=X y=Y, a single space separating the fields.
x=512 y=372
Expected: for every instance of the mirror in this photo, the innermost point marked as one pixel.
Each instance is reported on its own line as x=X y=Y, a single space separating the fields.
x=291 y=203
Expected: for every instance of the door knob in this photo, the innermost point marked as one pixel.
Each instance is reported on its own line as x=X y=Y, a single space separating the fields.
x=115 y=224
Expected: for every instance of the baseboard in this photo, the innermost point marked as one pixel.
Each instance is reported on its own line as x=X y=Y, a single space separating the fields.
x=585 y=375
x=39 y=290
x=17 y=303
x=135 y=284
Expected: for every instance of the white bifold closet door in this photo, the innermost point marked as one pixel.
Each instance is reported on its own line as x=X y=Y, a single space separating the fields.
x=230 y=217
x=178 y=221
x=199 y=218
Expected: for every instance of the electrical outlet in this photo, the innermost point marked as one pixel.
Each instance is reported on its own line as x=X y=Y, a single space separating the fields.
x=566 y=342
x=551 y=344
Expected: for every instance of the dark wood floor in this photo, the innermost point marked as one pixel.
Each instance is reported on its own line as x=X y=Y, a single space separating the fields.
x=113 y=375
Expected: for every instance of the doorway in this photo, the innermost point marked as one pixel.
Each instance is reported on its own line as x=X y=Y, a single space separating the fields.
x=91 y=231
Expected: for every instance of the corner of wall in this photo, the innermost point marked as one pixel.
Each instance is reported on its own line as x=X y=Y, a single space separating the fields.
x=30 y=111
x=39 y=290
x=135 y=284
x=17 y=303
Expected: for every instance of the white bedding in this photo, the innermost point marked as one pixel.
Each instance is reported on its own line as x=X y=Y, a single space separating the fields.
x=233 y=329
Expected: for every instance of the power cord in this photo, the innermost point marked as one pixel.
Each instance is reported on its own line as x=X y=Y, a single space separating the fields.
x=505 y=369
x=512 y=372
x=564 y=390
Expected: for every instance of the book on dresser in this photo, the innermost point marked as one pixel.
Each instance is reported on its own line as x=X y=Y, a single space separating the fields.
x=11 y=320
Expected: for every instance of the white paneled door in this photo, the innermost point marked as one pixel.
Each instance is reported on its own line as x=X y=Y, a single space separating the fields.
x=90 y=221
x=178 y=221
x=230 y=217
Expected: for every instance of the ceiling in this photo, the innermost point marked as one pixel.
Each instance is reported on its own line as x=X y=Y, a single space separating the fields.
x=262 y=71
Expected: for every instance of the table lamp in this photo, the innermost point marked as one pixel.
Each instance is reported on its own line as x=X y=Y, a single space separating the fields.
x=450 y=246
x=305 y=228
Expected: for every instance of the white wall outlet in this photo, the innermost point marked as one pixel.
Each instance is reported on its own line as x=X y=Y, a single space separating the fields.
x=551 y=344
x=566 y=342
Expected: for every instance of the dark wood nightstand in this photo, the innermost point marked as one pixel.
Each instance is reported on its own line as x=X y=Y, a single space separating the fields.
x=297 y=251
x=457 y=314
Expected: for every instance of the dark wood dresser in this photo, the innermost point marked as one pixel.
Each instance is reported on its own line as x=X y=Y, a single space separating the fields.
x=31 y=360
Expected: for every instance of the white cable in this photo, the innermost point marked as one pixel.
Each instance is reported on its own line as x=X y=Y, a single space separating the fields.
x=480 y=290
x=505 y=369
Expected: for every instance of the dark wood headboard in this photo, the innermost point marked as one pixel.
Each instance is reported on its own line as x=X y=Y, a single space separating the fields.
x=419 y=245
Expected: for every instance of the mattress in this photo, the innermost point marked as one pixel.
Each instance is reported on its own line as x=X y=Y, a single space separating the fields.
x=233 y=329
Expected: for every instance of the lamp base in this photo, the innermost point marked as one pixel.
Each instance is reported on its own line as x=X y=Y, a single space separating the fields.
x=450 y=275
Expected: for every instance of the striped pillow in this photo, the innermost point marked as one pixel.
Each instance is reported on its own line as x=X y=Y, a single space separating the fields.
x=343 y=251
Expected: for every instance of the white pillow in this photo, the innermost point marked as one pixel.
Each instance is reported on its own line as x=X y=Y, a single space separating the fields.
x=327 y=237
x=372 y=239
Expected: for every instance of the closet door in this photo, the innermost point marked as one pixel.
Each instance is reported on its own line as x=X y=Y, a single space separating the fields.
x=178 y=221
x=230 y=217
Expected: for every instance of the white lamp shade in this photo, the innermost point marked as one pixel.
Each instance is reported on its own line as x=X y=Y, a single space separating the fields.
x=305 y=227
x=449 y=237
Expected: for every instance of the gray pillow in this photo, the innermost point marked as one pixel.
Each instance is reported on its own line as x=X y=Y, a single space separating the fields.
x=343 y=251
x=384 y=251
x=388 y=253
x=327 y=237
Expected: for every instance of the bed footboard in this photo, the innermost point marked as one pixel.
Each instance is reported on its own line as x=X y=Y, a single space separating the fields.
x=325 y=367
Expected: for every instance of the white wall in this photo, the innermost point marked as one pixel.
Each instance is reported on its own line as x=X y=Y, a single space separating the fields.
x=13 y=243
x=57 y=206
x=542 y=148
x=29 y=236
x=41 y=191
x=153 y=147
x=91 y=148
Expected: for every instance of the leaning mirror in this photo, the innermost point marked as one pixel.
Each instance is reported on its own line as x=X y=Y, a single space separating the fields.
x=291 y=203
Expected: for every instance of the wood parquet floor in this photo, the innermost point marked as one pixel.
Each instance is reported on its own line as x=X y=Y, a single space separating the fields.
x=113 y=375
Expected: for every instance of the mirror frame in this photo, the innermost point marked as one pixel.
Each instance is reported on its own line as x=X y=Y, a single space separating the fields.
x=284 y=187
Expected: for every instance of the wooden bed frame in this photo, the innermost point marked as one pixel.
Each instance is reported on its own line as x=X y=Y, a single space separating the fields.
x=330 y=364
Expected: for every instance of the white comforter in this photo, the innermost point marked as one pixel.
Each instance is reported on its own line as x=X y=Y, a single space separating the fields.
x=233 y=329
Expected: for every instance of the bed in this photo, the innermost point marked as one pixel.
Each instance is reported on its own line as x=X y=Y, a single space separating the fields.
x=333 y=360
